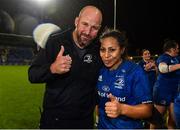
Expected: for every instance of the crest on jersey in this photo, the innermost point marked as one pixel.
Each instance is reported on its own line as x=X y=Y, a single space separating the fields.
x=120 y=82
x=163 y=102
x=88 y=58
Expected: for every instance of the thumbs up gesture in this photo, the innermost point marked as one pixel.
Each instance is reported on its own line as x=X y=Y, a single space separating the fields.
x=113 y=107
x=62 y=64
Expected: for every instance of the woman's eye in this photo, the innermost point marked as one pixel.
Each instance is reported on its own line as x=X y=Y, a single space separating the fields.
x=111 y=50
x=102 y=50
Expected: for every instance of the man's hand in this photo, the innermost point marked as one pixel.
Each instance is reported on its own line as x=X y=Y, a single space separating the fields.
x=62 y=64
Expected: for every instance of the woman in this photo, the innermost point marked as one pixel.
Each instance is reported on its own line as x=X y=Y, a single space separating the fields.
x=166 y=86
x=124 y=94
x=149 y=67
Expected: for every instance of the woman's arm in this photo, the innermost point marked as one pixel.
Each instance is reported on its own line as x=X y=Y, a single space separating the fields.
x=114 y=109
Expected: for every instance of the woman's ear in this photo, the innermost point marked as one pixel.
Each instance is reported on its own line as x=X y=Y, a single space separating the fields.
x=122 y=51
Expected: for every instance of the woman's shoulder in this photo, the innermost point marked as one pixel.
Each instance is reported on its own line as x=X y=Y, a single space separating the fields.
x=130 y=63
x=131 y=66
x=164 y=58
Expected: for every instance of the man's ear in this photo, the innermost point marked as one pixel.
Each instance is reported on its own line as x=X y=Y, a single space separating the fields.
x=76 y=21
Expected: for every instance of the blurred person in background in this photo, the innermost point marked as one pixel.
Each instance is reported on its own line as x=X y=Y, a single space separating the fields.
x=177 y=101
x=166 y=86
x=149 y=66
x=177 y=110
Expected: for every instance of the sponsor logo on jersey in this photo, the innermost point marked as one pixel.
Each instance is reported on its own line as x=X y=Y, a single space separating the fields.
x=88 y=58
x=175 y=61
x=105 y=88
x=106 y=95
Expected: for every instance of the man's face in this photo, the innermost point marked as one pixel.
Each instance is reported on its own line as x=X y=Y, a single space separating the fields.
x=87 y=27
x=175 y=51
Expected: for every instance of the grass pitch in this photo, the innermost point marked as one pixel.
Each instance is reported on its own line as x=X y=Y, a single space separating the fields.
x=20 y=101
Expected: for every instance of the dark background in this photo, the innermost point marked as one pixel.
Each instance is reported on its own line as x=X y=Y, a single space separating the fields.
x=146 y=22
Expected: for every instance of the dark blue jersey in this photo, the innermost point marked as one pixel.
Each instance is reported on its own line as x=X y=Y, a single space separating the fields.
x=177 y=101
x=178 y=71
x=168 y=80
x=166 y=86
x=129 y=84
x=151 y=73
x=177 y=111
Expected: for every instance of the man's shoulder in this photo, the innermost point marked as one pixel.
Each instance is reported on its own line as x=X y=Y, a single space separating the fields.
x=59 y=37
x=61 y=34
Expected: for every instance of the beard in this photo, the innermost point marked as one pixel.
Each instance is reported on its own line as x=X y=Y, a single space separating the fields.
x=83 y=40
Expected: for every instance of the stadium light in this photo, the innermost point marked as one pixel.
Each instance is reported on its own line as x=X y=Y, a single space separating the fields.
x=44 y=1
x=42 y=5
x=41 y=2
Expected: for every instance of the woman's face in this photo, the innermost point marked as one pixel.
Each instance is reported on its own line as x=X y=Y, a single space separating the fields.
x=146 y=55
x=110 y=52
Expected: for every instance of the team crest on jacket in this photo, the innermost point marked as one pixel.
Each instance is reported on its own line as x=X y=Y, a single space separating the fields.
x=88 y=58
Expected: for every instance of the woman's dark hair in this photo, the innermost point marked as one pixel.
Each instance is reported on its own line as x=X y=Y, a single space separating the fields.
x=119 y=36
x=168 y=44
x=143 y=50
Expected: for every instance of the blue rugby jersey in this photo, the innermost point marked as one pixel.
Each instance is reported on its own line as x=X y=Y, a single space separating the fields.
x=151 y=73
x=168 y=80
x=169 y=60
x=177 y=101
x=178 y=71
x=129 y=84
x=177 y=111
x=166 y=86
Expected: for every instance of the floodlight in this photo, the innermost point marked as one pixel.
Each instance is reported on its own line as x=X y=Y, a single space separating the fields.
x=42 y=32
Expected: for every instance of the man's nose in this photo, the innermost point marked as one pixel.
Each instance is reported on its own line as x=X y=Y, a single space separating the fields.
x=88 y=30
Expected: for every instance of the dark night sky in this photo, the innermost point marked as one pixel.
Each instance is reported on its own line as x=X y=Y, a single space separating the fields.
x=146 y=22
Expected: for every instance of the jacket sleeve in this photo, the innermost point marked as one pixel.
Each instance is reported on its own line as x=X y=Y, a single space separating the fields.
x=39 y=71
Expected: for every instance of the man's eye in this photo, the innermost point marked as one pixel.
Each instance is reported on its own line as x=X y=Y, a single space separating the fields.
x=85 y=24
x=95 y=28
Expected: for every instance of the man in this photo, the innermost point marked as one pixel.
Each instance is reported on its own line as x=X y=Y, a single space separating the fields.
x=69 y=66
